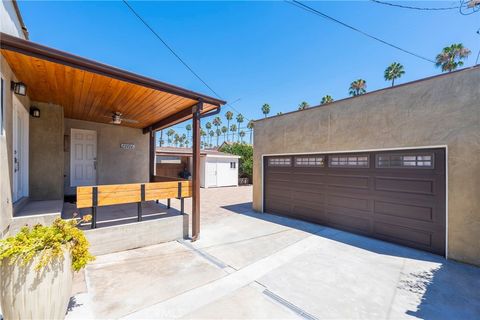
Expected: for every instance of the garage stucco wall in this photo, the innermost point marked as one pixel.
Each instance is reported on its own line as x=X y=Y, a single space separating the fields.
x=443 y=110
x=114 y=164
x=46 y=153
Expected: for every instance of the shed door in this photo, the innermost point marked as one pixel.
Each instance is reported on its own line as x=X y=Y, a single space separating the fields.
x=210 y=172
x=397 y=196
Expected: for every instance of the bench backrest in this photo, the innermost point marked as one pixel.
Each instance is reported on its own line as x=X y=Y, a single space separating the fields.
x=130 y=193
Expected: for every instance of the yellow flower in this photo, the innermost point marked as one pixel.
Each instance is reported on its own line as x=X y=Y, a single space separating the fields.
x=87 y=218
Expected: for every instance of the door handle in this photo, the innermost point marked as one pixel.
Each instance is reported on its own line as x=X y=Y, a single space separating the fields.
x=95 y=164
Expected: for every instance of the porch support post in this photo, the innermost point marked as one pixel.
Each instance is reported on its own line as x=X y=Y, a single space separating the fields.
x=196 y=170
x=152 y=154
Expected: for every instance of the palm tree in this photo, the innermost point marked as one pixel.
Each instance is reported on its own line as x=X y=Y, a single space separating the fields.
x=357 y=87
x=170 y=133
x=451 y=57
x=219 y=133
x=233 y=129
x=217 y=121
x=242 y=134
x=303 y=105
x=176 y=139
x=212 y=134
x=393 y=71
x=228 y=116
x=266 y=109
x=182 y=140
x=239 y=120
x=208 y=125
x=161 y=141
x=224 y=131
x=203 y=134
x=189 y=128
x=250 y=126
x=326 y=99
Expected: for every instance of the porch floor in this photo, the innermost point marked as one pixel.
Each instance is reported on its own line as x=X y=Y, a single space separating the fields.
x=123 y=213
x=33 y=208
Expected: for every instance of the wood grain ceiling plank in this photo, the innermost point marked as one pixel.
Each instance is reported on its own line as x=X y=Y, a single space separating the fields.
x=98 y=101
x=97 y=90
x=74 y=110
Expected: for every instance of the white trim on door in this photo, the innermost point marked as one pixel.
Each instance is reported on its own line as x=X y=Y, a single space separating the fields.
x=367 y=150
x=83 y=157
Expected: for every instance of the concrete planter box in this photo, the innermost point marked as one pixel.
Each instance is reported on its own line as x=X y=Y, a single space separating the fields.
x=28 y=294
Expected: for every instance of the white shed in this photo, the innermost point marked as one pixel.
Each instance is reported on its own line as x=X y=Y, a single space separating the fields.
x=217 y=169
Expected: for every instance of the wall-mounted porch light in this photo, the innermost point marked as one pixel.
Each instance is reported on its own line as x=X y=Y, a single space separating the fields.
x=35 y=112
x=19 y=88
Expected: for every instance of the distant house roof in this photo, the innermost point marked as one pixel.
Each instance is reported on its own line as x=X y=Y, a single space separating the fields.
x=224 y=143
x=187 y=152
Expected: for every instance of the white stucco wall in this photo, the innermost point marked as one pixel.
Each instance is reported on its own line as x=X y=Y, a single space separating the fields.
x=9 y=21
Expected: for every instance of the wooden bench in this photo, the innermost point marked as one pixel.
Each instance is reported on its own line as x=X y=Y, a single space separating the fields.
x=106 y=195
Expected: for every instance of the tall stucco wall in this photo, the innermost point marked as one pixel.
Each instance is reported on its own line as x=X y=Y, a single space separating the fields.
x=6 y=141
x=444 y=110
x=114 y=164
x=46 y=153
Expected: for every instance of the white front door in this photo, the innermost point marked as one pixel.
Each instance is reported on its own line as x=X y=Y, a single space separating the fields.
x=20 y=150
x=83 y=157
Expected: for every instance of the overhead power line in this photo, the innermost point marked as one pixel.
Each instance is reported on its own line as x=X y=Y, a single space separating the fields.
x=415 y=8
x=176 y=55
x=325 y=16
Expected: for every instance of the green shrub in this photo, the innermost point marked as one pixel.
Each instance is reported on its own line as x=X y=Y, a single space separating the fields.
x=245 y=151
x=48 y=242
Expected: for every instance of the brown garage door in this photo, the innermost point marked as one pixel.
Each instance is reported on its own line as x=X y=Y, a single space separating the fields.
x=397 y=196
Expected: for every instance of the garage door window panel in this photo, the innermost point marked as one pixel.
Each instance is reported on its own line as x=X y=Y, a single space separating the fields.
x=279 y=162
x=349 y=161
x=417 y=161
x=310 y=161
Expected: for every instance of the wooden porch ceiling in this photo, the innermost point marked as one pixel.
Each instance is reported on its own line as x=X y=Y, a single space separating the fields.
x=91 y=91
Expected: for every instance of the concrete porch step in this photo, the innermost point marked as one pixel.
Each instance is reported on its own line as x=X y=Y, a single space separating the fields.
x=36 y=212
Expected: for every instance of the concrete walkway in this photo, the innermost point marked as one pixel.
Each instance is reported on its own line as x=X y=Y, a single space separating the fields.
x=259 y=266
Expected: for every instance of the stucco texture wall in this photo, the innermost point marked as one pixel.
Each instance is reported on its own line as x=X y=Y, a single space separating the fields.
x=6 y=140
x=114 y=164
x=443 y=110
x=46 y=153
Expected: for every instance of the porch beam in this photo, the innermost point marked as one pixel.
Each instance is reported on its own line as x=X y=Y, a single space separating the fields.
x=196 y=170
x=151 y=158
x=171 y=120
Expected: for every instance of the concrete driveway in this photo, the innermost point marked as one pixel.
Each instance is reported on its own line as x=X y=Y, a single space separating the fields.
x=259 y=266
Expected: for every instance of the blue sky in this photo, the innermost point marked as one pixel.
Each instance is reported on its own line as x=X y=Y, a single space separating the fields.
x=258 y=52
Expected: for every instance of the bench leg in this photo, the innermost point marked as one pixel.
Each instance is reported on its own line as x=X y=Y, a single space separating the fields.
x=94 y=218
x=168 y=203
x=139 y=211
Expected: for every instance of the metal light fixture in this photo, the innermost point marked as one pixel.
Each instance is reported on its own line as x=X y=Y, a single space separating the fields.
x=35 y=112
x=19 y=88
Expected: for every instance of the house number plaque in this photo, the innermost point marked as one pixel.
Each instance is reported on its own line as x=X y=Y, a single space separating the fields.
x=128 y=146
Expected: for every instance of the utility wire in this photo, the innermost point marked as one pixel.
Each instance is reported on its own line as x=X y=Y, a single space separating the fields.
x=325 y=16
x=415 y=8
x=176 y=55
